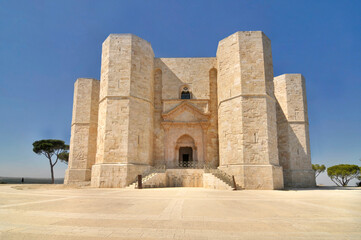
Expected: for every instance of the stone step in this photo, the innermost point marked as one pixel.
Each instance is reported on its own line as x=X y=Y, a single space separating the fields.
x=144 y=181
x=212 y=181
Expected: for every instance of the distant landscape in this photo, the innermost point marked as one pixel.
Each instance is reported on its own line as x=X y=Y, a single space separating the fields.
x=17 y=180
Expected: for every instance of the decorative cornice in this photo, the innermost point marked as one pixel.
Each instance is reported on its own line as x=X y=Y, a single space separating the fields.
x=169 y=116
x=185 y=100
x=202 y=124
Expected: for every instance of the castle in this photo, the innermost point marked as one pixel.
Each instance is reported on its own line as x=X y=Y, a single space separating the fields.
x=190 y=121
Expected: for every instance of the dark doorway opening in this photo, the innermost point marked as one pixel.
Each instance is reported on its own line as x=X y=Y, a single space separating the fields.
x=185 y=156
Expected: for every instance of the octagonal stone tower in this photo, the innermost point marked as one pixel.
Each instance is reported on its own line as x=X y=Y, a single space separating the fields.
x=247 y=111
x=84 y=126
x=293 y=133
x=125 y=125
x=226 y=112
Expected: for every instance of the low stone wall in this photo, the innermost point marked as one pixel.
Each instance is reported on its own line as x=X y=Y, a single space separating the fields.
x=184 y=177
x=159 y=180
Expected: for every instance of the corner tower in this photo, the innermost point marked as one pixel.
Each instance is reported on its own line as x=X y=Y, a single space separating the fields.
x=125 y=123
x=247 y=112
x=83 y=131
x=293 y=133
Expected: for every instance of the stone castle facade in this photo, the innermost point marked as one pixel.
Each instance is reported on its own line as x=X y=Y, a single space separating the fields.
x=192 y=116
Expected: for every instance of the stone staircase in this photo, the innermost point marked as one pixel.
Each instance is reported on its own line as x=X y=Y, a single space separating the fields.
x=213 y=182
x=155 y=177
x=217 y=179
x=145 y=181
x=212 y=179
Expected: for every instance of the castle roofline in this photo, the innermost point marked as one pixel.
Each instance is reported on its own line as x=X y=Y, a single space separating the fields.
x=288 y=74
x=254 y=33
x=185 y=57
x=130 y=35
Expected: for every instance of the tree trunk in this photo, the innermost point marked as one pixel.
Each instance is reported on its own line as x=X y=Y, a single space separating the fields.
x=52 y=171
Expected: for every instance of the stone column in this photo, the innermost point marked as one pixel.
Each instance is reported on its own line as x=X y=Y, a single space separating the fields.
x=204 y=127
x=125 y=125
x=212 y=131
x=167 y=157
x=293 y=133
x=158 y=136
x=246 y=111
x=83 y=131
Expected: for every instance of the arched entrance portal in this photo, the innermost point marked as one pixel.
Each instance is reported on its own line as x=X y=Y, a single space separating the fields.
x=186 y=151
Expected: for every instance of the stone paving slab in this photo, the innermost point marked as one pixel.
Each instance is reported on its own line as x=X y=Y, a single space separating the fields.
x=57 y=212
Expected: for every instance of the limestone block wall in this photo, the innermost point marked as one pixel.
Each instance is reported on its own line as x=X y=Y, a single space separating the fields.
x=159 y=180
x=83 y=130
x=193 y=72
x=184 y=177
x=113 y=124
x=247 y=112
x=125 y=125
x=212 y=155
x=158 y=134
x=240 y=118
x=200 y=76
x=293 y=130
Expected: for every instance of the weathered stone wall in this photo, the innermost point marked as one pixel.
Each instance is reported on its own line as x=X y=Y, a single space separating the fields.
x=184 y=177
x=125 y=126
x=246 y=111
x=200 y=76
x=192 y=72
x=211 y=152
x=135 y=118
x=293 y=133
x=159 y=180
x=113 y=123
x=158 y=140
x=83 y=131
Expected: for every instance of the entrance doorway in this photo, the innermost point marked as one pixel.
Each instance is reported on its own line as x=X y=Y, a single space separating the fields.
x=185 y=156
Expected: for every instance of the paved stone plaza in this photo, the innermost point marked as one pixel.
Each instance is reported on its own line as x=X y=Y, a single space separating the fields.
x=58 y=212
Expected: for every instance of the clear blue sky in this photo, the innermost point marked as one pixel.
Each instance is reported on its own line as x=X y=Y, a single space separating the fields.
x=46 y=45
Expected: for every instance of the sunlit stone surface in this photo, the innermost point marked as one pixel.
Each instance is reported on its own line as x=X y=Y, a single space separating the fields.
x=226 y=112
x=59 y=212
